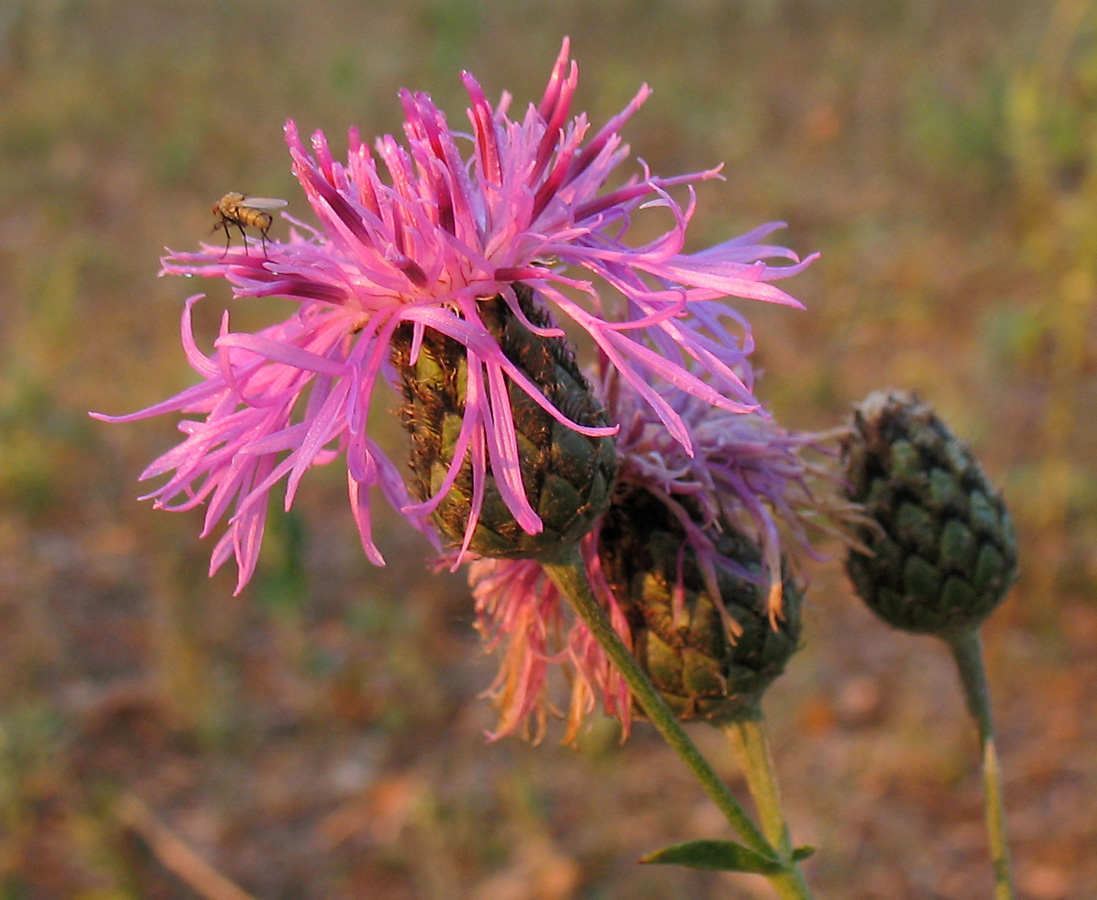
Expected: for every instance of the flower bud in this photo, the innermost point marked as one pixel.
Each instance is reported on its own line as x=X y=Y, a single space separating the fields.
x=711 y=658
x=943 y=551
x=567 y=476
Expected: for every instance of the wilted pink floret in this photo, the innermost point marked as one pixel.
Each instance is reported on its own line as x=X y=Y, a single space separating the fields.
x=518 y=605
x=419 y=233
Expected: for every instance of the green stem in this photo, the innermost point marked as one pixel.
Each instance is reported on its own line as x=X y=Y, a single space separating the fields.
x=967 y=649
x=748 y=739
x=751 y=746
x=568 y=573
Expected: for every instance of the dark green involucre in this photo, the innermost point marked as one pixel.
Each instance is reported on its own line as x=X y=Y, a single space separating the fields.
x=701 y=670
x=568 y=477
x=944 y=552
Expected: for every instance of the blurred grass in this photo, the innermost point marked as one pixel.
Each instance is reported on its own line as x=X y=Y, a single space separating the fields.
x=321 y=735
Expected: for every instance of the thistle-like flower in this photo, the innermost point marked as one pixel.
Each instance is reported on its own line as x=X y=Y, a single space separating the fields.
x=939 y=554
x=707 y=640
x=459 y=219
x=688 y=564
x=939 y=548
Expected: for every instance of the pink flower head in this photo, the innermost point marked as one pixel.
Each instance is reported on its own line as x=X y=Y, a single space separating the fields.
x=420 y=233
x=746 y=474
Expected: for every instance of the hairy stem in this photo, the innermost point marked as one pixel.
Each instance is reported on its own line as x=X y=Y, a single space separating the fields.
x=569 y=575
x=748 y=739
x=967 y=649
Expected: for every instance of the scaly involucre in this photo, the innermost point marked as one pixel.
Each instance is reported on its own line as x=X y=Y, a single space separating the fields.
x=457 y=218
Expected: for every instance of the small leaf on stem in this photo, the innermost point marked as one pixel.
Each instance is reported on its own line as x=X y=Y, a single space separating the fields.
x=724 y=856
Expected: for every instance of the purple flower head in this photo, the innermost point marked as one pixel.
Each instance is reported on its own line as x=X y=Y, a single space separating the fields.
x=420 y=233
x=746 y=474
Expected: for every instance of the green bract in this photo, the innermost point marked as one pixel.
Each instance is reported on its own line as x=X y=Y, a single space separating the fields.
x=567 y=476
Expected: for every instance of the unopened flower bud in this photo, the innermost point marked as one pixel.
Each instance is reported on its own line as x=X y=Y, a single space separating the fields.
x=943 y=551
x=567 y=476
x=711 y=658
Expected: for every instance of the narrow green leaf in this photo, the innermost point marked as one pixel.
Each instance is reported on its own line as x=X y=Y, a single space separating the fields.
x=802 y=853
x=724 y=856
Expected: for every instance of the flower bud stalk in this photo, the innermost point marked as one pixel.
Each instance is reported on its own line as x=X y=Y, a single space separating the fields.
x=967 y=650
x=750 y=744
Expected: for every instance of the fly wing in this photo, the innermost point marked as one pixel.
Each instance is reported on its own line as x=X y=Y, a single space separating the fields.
x=263 y=203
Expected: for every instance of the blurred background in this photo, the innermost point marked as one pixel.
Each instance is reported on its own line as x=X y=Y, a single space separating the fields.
x=321 y=735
